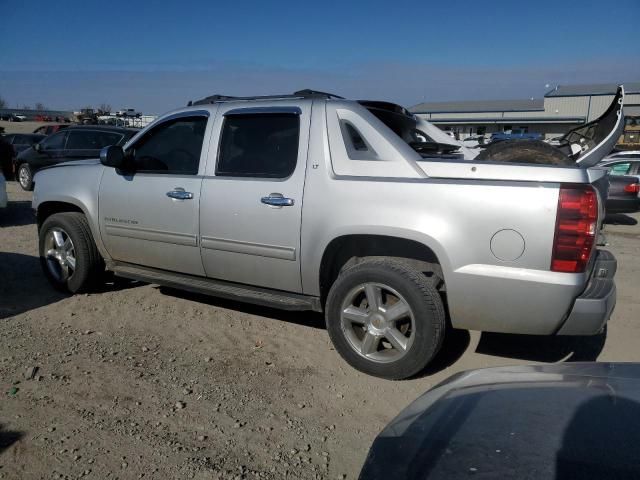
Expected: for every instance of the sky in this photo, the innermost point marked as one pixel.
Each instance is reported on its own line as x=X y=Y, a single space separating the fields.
x=155 y=56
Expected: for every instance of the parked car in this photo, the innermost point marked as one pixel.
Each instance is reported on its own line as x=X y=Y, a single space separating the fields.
x=515 y=134
x=623 y=163
x=6 y=156
x=128 y=112
x=546 y=422
x=14 y=117
x=49 y=129
x=623 y=194
x=313 y=202
x=73 y=143
x=17 y=142
x=3 y=191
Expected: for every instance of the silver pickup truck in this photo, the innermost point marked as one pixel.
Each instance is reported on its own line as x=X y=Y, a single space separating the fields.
x=313 y=202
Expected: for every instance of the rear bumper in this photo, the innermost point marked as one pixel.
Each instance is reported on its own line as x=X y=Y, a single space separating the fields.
x=594 y=306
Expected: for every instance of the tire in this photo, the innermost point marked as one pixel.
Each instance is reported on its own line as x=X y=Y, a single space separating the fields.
x=25 y=176
x=88 y=264
x=525 y=151
x=367 y=347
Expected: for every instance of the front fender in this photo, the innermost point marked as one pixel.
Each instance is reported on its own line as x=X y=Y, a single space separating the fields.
x=71 y=184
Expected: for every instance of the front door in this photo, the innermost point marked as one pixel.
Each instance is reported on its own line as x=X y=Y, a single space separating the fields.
x=149 y=216
x=251 y=201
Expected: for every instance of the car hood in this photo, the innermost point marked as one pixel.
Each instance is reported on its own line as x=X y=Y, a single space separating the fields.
x=547 y=421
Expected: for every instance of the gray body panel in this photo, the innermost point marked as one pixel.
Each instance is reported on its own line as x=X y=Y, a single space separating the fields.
x=490 y=225
x=244 y=240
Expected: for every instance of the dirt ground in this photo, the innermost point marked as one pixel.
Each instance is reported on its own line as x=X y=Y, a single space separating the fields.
x=22 y=127
x=137 y=381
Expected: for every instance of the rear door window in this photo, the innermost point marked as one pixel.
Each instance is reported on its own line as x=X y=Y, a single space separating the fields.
x=91 y=139
x=55 y=141
x=263 y=145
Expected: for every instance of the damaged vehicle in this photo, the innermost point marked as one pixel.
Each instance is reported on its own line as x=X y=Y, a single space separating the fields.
x=358 y=209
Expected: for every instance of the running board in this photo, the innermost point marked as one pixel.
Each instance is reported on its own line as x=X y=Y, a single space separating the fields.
x=218 y=288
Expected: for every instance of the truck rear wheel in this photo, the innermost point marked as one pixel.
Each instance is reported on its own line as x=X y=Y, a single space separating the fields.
x=385 y=318
x=525 y=151
x=68 y=253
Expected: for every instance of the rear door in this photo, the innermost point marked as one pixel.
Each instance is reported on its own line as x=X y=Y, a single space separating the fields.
x=251 y=201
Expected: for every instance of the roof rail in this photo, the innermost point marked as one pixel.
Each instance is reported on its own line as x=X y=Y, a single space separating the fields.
x=306 y=93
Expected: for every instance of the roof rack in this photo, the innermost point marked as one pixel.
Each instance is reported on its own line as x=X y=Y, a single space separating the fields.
x=306 y=93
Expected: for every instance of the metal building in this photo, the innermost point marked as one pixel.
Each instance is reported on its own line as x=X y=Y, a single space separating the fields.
x=563 y=108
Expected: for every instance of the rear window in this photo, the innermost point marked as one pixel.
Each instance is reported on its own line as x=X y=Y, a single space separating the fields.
x=91 y=139
x=259 y=145
x=620 y=168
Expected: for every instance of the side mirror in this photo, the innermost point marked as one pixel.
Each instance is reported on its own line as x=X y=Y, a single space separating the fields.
x=37 y=147
x=112 y=156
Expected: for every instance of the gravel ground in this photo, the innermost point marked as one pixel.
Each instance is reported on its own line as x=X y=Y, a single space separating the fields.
x=137 y=381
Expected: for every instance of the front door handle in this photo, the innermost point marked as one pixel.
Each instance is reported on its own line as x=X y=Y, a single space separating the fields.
x=179 y=194
x=277 y=200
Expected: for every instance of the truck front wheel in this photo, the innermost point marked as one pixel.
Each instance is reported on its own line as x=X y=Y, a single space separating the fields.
x=68 y=254
x=385 y=318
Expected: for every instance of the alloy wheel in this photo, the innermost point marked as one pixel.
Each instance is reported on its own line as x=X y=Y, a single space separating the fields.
x=60 y=254
x=377 y=322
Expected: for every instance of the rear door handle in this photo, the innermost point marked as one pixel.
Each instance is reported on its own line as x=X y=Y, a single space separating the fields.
x=179 y=194
x=277 y=200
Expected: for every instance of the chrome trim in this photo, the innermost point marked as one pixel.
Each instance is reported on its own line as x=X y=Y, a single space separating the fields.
x=188 y=113
x=179 y=194
x=248 y=248
x=151 y=235
x=264 y=110
x=277 y=200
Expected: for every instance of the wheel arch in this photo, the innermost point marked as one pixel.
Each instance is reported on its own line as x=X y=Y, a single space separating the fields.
x=347 y=250
x=48 y=208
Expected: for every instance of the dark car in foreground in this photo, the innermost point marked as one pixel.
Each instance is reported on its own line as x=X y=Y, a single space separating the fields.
x=13 y=144
x=623 y=194
x=73 y=143
x=562 y=421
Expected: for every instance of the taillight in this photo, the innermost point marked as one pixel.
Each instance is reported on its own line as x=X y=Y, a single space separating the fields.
x=632 y=188
x=576 y=224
